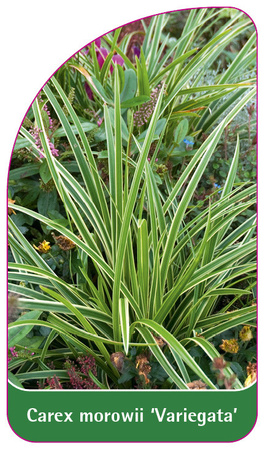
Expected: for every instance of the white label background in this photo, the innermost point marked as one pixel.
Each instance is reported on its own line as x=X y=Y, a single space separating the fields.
x=28 y=59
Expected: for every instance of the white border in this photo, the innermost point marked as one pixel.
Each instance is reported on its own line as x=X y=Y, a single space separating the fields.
x=201 y=391
x=46 y=33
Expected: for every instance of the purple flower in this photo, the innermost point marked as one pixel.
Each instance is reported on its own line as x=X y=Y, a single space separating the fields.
x=54 y=150
x=117 y=59
x=89 y=91
x=97 y=44
x=102 y=55
x=99 y=122
x=35 y=133
x=45 y=108
x=136 y=51
x=14 y=353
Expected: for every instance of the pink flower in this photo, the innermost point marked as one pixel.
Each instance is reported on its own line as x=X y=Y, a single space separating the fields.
x=117 y=59
x=14 y=353
x=102 y=55
x=84 y=365
x=45 y=108
x=54 y=382
x=97 y=44
x=54 y=150
x=35 y=133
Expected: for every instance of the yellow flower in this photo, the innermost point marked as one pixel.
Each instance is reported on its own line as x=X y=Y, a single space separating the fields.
x=246 y=334
x=252 y=374
x=10 y=210
x=44 y=247
x=230 y=346
x=248 y=381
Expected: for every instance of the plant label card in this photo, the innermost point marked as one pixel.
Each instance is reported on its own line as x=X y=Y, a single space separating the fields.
x=132 y=238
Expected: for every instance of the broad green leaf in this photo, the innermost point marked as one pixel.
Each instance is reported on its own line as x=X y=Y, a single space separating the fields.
x=135 y=101
x=181 y=131
x=130 y=85
x=15 y=335
x=45 y=172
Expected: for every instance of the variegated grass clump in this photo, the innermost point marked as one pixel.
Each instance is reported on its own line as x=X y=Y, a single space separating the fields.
x=147 y=271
